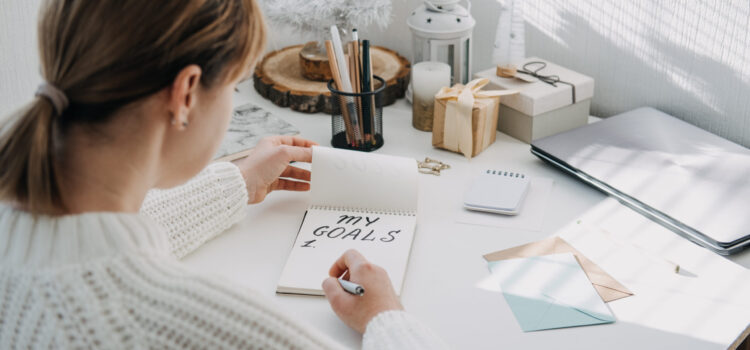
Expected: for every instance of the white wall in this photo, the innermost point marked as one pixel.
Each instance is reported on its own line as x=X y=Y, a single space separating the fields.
x=19 y=63
x=398 y=37
x=688 y=58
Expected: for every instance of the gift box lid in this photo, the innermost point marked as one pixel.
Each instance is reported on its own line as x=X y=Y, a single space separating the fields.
x=539 y=97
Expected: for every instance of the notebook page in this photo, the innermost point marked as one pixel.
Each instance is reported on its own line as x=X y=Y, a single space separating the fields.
x=384 y=239
x=351 y=179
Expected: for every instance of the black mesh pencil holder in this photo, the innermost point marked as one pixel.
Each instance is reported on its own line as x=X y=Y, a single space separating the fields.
x=357 y=118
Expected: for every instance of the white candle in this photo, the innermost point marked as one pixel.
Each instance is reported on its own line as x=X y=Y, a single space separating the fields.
x=426 y=80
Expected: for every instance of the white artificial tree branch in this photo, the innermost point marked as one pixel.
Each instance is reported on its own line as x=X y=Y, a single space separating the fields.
x=316 y=16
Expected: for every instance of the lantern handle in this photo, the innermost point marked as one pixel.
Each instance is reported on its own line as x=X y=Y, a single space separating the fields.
x=435 y=8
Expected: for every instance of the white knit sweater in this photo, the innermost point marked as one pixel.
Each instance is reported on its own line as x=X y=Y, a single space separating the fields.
x=111 y=280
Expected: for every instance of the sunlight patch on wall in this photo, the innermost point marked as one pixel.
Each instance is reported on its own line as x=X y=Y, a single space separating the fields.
x=689 y=58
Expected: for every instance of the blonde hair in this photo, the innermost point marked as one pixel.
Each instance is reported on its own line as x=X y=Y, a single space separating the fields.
x=106 y=54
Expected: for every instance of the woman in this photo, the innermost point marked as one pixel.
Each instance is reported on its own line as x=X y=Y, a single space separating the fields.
x=137 y=96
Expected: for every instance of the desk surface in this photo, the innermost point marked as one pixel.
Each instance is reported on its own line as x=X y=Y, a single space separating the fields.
x=446 y=262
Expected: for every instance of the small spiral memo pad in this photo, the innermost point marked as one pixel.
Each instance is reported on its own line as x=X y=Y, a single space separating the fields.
x=505 y=173
x=497 y=191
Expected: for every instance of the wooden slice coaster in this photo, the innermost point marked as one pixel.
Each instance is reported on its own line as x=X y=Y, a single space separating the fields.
x=314 y=63
x=278 y=77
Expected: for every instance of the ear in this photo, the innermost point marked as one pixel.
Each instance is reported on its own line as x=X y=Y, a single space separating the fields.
x=182 y=95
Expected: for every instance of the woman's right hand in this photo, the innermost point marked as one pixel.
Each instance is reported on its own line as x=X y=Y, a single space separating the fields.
x=267 y=168
x=357 y=311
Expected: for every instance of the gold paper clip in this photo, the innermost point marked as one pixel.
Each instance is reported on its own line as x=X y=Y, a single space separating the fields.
x=431 y=166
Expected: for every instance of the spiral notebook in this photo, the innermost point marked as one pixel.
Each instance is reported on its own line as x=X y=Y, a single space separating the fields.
x=361 y=201
x=497 y=191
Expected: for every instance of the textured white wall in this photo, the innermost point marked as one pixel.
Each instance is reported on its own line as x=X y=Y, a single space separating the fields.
x=688 y=58
x=19 y=63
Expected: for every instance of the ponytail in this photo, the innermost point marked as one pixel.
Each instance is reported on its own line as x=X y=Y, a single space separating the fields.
x=27 y=155
x=100 y=71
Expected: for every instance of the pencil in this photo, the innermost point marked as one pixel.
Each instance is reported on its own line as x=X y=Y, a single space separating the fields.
x=346 y=83
x=352 y=68
x=357 y=77
x=373 y=107
x=337 y=79
x=356 y=83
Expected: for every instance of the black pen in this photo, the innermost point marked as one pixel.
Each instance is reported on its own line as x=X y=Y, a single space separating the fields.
x=366 y=98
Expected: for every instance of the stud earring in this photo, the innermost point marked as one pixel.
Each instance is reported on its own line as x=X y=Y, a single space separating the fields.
x=184 y=122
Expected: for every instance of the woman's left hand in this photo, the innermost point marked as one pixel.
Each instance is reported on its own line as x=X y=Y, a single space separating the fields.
x=267 y=167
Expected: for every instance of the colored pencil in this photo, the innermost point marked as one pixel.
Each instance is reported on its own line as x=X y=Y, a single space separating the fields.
x=333 y=63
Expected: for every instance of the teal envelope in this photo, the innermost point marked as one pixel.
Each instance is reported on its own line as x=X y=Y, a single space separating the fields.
x=549 y=291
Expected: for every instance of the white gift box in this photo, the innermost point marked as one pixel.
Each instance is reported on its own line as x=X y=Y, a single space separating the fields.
x=541 y=109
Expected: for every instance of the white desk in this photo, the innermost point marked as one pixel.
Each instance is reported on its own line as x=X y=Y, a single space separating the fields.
x=446 y=261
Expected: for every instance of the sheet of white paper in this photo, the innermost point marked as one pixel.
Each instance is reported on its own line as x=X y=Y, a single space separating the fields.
x=531 y=216
x=383 y=239
x=352 y=179
x=707 y=300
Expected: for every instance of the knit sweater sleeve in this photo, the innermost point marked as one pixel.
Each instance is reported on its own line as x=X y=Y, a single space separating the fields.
x=399 y=330
x=200 y=209
x=153 y=302
x=174 y=308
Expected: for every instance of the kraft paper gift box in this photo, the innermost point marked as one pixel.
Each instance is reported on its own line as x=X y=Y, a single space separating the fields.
x=541 y=109
x=465 y=118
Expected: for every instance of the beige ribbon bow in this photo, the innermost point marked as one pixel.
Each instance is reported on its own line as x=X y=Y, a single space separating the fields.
x=457 y=135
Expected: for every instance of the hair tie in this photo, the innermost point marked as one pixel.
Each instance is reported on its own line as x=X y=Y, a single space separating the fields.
x=54 y=95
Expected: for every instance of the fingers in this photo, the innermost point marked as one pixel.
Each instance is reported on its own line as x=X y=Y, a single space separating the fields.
x=294 y=148
x=290 y=185
x=350 y=259
x=296 y=173
x=336 y=295
x=293 y=173
x=331 y=287
x=295 y=141
x=297 y=154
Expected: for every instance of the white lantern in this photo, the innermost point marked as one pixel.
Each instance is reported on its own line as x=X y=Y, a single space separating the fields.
x=441 y=31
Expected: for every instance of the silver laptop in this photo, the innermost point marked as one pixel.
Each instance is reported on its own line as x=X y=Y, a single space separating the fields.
x=689 y=180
